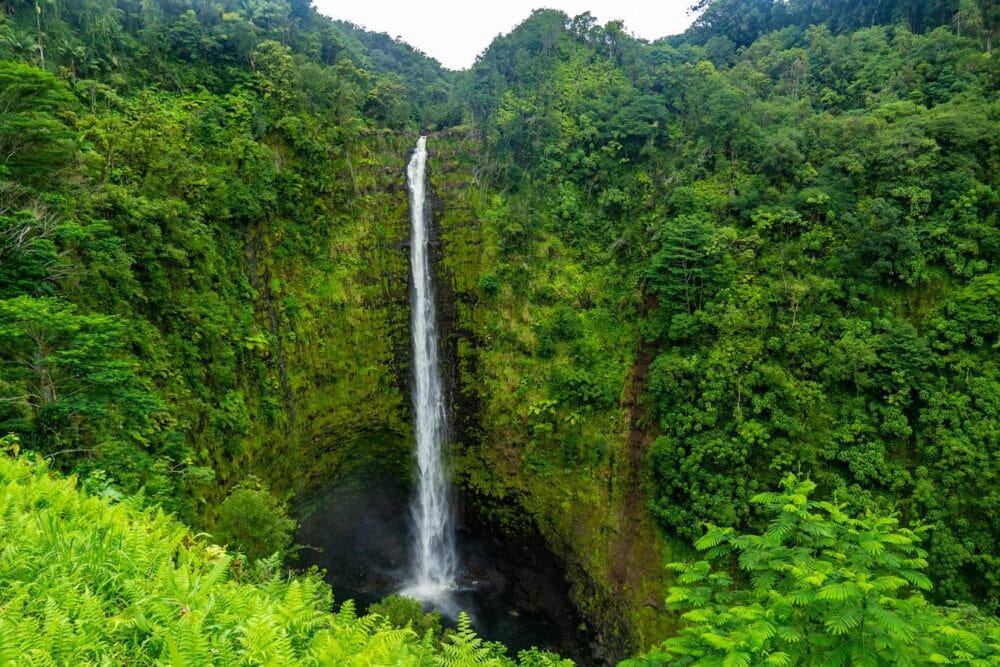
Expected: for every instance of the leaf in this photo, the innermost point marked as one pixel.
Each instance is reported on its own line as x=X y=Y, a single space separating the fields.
x=712 y=538
x=801 y=598
x=872 y=547
x=739 y=659
x=844 y=622
x=839 y=592
x=918 y=579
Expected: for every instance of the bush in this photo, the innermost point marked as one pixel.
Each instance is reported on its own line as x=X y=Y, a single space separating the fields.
x=402 y=611
x=819 y=586
x=254 y=522
x=489 y=284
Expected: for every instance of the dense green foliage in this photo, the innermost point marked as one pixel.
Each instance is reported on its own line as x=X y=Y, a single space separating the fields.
x=156 y=177
x=821 y=587
x=85 y=582
x=90 y=582
x=806 y=229
x=675 y=272
x=254 y=523
x=402 y=611
x=740 y=22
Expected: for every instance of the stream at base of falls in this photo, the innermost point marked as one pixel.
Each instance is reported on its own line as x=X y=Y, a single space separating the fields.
x=516 y=592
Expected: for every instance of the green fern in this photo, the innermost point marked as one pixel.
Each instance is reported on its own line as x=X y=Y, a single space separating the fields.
x=463 y=648
x=84 y=582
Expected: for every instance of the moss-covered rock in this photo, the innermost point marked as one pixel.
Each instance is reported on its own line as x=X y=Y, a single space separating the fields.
x=529 y=452
x=339 y=320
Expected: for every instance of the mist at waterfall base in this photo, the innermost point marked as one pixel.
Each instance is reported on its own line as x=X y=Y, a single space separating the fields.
x=515 y=590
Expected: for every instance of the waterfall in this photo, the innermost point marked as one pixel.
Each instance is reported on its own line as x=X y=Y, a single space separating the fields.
x=433 y=560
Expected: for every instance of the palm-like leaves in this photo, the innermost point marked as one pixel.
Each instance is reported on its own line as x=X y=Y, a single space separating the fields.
x=86 y=582
x=823 y=588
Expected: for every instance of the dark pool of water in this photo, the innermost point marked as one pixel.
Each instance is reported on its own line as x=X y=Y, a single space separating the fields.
x=516 y=593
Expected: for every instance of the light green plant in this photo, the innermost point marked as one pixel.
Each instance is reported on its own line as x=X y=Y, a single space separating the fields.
x=818 y=587
x=84 y=581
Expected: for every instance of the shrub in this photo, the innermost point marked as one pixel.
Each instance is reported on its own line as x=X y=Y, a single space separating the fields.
x=489 y=284
x=403 y=611
x=818 y=587
x=254 y=522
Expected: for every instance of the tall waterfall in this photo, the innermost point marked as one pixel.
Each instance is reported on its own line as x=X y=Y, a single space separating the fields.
x=433 y=559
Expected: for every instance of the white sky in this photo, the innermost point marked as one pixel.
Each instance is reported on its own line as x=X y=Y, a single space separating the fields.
x=456 y=31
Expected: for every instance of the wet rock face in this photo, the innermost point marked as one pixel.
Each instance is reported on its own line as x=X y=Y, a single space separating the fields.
x=515 y=591
x=358 y=531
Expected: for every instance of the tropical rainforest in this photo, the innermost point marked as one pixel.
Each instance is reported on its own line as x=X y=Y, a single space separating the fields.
x=720 y=315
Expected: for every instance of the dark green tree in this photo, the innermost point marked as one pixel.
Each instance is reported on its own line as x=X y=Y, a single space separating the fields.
x=254 y=522
x=34 y=141
x=66 y=375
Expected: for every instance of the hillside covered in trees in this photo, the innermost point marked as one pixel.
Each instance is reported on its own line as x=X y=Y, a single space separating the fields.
x=736 y=288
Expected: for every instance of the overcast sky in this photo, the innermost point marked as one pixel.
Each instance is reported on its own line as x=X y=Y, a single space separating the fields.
x=456 y=31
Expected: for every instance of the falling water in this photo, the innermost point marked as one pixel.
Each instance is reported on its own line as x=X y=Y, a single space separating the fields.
x=433 y=561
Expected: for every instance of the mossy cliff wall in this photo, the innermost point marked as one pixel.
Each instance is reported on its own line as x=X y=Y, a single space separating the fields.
x=529 y=460
x=526 y=458
x=337 y=320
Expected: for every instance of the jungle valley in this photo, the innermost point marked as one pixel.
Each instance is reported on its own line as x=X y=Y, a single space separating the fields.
x=712 y=338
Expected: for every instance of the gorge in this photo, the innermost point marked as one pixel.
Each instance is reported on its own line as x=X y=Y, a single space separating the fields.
x=584 y=346
x=447 y=551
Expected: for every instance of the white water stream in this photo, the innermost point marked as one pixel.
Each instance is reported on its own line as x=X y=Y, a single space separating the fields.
x=432 y=576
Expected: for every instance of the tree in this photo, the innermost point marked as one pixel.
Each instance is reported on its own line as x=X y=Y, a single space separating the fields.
x=68 y=371
x=272 y=64
x=968 y=18
x=28 y=255
x=817 y=587
x=679 y=272
x=33 y=141
x=254 y=522
x=639 y=121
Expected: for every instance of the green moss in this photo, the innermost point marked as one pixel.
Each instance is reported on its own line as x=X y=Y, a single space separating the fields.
x=546 y=449
x=346 y=343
